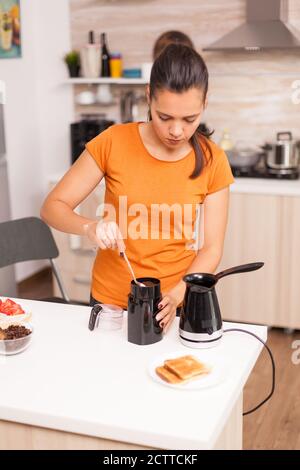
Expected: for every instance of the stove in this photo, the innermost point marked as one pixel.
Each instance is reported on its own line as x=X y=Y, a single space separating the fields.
x=264 y=172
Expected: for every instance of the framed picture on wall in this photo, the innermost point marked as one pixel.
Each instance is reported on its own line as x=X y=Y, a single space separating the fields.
x=10 y=29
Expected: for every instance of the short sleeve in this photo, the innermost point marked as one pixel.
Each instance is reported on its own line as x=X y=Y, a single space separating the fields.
x=100 y=147
x=220 y=173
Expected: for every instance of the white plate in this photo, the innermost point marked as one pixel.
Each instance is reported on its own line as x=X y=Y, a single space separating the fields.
x=219 y=371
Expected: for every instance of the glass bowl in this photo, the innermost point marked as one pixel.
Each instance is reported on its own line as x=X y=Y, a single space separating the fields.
x=8 y=347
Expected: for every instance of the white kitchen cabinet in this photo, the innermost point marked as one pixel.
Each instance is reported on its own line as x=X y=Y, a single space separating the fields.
x=262 y=228
x=75 y=266
x=76 y=256
x=289 y=275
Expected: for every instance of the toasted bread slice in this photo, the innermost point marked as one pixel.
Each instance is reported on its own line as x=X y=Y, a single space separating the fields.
x=186 y=367
x=168 y=376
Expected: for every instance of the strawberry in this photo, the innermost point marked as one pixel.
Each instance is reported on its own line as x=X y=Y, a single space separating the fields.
x=9 y=307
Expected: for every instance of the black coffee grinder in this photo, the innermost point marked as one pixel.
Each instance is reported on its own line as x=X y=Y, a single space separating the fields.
x=143 y=327
x=200 y=323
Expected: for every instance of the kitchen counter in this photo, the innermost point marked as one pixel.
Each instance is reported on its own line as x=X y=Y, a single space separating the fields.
x=245 y=185
x=73 y=388
x=266 y=186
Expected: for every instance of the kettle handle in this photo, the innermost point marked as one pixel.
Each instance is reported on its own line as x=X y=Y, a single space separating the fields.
x=243 y=268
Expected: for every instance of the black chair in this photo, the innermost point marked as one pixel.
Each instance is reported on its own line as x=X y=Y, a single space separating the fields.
x=31 y=239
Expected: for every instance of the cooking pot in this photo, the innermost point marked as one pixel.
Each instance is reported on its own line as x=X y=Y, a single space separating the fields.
x=246 y=157
x=200 y=323
x=284 y=153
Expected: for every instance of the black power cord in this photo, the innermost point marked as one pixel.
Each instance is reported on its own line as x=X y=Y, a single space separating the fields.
x=273 y=367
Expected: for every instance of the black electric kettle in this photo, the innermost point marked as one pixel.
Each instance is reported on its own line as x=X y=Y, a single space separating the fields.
x=200 y=323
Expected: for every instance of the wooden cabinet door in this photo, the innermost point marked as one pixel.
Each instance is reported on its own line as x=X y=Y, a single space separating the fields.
x=289 y=287
x=253 y=234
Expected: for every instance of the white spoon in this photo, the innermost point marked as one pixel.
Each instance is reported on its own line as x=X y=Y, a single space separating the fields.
x=123 y=254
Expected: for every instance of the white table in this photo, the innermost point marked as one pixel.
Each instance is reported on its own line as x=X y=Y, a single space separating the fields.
x=73 y=388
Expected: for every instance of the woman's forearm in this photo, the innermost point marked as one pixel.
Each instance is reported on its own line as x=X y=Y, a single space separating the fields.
x=206 y=261
x=60 y=216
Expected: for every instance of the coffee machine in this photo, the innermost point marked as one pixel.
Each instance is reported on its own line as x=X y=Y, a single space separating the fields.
x=200 y=323
x=88 y=127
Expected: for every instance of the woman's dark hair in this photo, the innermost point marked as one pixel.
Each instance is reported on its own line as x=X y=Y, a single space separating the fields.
x=179 y=68
x=170 y=37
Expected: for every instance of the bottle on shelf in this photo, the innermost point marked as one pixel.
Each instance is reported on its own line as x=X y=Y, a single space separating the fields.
x=226 y=142
x=91 y=37
x=90 y=58
x=105 y=58
x=115 y=63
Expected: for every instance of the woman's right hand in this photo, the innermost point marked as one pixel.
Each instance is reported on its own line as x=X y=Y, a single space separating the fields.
x=105 y=235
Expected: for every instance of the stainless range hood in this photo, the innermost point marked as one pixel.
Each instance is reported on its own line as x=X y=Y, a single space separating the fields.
x=266 y=27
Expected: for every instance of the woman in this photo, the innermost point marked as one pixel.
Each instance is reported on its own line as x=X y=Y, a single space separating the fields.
x=164 y=163
x=170 y=37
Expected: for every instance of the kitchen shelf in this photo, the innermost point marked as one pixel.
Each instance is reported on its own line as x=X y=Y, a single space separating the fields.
x=110 y=81
x=143 y=81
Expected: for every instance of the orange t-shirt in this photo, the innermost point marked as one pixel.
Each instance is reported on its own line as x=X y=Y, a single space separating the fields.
x=137 y=185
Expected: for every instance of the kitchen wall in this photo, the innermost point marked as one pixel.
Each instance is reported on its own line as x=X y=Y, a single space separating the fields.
x=250 y=93
x=37 y=135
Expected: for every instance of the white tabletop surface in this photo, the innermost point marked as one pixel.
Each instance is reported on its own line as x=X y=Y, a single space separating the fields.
x=97 y=383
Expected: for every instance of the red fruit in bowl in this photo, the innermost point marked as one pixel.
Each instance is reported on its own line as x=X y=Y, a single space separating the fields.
x=9 y=307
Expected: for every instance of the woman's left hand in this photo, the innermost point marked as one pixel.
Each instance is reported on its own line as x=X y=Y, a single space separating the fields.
x=167 y=312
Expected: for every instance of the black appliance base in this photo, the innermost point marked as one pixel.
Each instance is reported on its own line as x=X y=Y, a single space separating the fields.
x=265 y=173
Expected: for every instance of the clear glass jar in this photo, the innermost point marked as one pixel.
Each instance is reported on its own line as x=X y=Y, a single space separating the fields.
x=110 y=317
